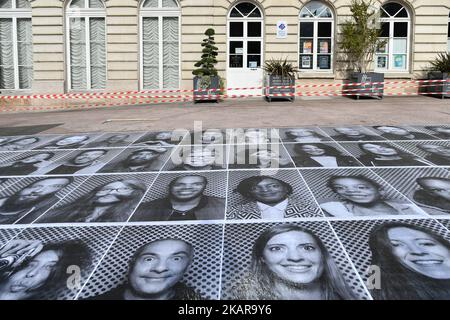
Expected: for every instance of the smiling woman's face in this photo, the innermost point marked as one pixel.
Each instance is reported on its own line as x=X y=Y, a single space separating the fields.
x=378 y=149
x=313 y=150
x=301 y=133
x=294 y=256
x=356 y=190
x=419 y=252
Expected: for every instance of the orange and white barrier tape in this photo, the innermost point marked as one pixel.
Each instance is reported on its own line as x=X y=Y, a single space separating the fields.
x=147 y=93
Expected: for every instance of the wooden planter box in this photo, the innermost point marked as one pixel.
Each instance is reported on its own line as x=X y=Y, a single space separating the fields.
x=440 y=87
x=278 y=81
x=202 y=93
x=366 y=90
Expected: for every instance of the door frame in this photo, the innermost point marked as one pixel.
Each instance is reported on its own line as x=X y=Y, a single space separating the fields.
x=245 y=39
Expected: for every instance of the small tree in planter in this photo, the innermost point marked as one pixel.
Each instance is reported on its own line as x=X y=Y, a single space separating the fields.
x=206 y=80
x=359 y=41
x=279 y=73
x=440 y=70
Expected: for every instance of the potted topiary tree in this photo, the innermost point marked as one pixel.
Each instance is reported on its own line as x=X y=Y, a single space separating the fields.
x=440 y=70
x=279 y=73
x=206 y=80
x=359 y=41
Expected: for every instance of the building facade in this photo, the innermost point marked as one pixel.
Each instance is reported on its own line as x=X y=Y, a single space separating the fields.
x=54 y=46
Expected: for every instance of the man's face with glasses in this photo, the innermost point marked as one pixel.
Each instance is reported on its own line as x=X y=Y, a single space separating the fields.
x=269 y=191
x=437 y=187
x=113 y=192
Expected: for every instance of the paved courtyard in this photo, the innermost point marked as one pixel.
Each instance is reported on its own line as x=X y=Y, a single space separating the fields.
x=243 y=113
x=192 y=206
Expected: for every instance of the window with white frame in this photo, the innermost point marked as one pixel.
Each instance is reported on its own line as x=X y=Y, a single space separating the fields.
x=86 y=41
x=448 y=34
x=316 y=37
x=16 y=51
x=160 y=36
x=393 y=55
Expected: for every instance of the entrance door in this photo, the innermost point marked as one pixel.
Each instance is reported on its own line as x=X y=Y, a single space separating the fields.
x=245 y=49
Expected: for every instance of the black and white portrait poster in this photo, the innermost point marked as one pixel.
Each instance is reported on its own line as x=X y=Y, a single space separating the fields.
x=101 y=198
x=51 y=263
x=165 y=262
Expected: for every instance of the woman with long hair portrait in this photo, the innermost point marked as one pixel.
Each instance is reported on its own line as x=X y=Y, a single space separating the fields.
x=303 y=135
x=321 y=155
x=414 y=262
x=289 y=262
x=111 y=202
x=383 y=154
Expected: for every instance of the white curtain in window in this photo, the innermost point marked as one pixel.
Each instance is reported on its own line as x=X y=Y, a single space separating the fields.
x=77 y=4
x=25 y=52
x=150 y=53
x=97 y=53
x=5 y=4
x=95 y=4
x=23 y=4
x=170 y=52
x=6 y=55
x=169 y=4
x=151 y=4
x=78 y=53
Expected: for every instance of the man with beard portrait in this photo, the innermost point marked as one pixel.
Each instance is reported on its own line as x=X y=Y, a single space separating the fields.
x=185 y=201
x=138 y=161
x=31 y=201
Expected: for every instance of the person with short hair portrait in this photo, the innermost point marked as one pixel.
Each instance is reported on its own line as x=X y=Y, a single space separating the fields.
x=70 y=142
x=26 y=165
x=321 y=155
x=185 y=201
x=398 y=133
x=28 y=203
x=197 y=158
x=23 y=143
x=267 y=198
x=437 y=154
x=39 y=269
x=155 y=272
x=362 y=196
x=212 y=136
x=141 y=160
x=260 y=158
x=87 y=160
x=290 y=262
x=115 y=140
x=255 y=136
x=433 y=195
x=158 y=139
x=353 y=134
x=383 y=154
x=440 y=131
x=303 y=135
x=111 y=202
x=414 y=262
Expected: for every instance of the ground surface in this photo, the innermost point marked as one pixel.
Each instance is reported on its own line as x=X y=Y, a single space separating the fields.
x=229 y=224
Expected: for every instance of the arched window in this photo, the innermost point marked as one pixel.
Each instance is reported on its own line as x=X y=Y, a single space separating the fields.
x=16 y=51
x=160 y=34
x=86 y=41
x=395 y=29
x=245 y=25
x=316 y=37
